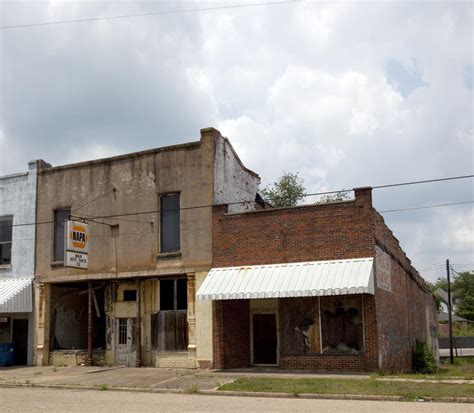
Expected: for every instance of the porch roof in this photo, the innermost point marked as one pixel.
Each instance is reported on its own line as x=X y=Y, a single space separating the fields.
x=299 y=279
x=16 y=295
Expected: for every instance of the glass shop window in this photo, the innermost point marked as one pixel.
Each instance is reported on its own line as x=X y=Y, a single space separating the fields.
x=169 y=327
x=342 y=325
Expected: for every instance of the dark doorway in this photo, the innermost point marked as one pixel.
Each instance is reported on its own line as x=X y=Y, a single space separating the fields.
x=20 y=339
x=265 y=340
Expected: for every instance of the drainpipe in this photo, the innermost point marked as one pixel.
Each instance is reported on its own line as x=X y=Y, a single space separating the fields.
x=138 y=329
x=90 y=326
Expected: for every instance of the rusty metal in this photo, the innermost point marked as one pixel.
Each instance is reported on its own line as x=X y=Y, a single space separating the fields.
x=90 y=325
x=138 y=328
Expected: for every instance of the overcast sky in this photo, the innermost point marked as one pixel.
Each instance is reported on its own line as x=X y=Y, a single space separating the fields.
x=348 y=94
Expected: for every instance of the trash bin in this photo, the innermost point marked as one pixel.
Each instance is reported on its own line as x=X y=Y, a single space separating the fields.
x=7 y=353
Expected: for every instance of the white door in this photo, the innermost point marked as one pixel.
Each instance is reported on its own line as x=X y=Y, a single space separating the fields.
x=125 y=350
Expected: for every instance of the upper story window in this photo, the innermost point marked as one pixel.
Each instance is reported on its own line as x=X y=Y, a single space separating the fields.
x=6 y=226
x=60 y=220
x=170 y=223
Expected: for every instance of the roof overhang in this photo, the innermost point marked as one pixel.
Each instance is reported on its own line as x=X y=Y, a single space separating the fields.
x=16 y=295
x=300 y=279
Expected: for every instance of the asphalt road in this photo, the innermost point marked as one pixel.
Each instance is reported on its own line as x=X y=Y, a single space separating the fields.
x=54 y=400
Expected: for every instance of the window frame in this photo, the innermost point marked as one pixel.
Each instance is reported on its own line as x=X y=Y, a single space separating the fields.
x=53 y=256
x=7 y=218
x=158 y=321
x=161 y=233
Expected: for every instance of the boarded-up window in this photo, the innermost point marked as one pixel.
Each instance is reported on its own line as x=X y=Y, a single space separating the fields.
x=170 y=223
x=342 y=324
x=60 y=220
x=169 y=327
x=299 y=321
x=6 y=225
x=172 y=331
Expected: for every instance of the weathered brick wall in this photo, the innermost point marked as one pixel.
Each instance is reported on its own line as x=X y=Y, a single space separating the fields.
x=394 y=318
x=307 y=233
x=405 y=310
x=231 y=333
x=340 y=230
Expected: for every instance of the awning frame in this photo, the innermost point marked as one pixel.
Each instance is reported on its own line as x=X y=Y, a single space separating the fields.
x=301 y=279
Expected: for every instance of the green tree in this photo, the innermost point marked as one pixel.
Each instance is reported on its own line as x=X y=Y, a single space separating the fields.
x=286 y=191
x=340 y=196
x=463 y=290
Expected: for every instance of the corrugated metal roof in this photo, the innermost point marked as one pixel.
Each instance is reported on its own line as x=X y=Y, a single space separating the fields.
x=300 y=279
x=16 y=295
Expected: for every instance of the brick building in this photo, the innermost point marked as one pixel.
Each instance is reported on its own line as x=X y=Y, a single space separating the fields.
x=322 y=286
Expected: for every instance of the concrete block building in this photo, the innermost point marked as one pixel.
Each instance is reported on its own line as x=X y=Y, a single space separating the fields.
x=150 y=218
x=17 y=260
x=322 y=287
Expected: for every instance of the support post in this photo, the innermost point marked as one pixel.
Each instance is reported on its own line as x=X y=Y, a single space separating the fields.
x=450 y=317
x=138 y=328
x=191 y=312
x=90 y=324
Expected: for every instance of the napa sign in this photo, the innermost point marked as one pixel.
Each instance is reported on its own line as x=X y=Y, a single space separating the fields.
x=77 y=245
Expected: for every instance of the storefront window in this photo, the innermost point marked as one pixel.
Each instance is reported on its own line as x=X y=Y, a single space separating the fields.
x=342 y=325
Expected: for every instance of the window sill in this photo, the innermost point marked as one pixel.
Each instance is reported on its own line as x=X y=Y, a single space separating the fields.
x=5 y=266
x=57 y=264
x=168 y=255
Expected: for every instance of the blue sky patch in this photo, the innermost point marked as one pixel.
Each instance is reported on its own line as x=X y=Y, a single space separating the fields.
x=401 y=79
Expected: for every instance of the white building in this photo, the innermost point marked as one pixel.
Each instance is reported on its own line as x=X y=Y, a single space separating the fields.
x=17 y=261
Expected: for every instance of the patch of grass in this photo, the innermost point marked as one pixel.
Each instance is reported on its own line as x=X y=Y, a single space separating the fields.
x=463 y=368
x=370 y=387
x=103 y=387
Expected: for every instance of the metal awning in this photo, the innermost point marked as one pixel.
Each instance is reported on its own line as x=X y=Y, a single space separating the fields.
x=16 y=295
x=300 y=279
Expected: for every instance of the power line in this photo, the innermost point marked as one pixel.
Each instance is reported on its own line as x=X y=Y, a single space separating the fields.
x=157 y=13
x=116 y=216
x=423 y=182
x=424 y=207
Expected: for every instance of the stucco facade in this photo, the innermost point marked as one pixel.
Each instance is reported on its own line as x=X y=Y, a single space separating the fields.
x=120 y=199
x=18 y=203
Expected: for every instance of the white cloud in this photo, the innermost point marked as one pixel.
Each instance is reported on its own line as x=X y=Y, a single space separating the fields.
x=296 y=87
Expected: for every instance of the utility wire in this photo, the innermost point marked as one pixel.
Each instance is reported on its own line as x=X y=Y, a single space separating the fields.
x=116 y=216
x=157 y=13
x=424 y=207
x=423 y=182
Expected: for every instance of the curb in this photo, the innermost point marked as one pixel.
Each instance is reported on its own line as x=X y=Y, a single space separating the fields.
x=243 y=394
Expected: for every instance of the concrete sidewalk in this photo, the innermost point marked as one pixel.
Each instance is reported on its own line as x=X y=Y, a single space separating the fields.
x=187 y=380
x=162 y=380
x=144 y=378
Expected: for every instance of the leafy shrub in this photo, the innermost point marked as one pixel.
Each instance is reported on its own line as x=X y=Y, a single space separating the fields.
x=423 y=360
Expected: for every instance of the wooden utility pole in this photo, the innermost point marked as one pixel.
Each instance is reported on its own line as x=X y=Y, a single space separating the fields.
x=90 y=325
x=450 y=317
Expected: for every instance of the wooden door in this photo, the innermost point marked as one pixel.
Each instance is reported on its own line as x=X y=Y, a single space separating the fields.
x=265 y=340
